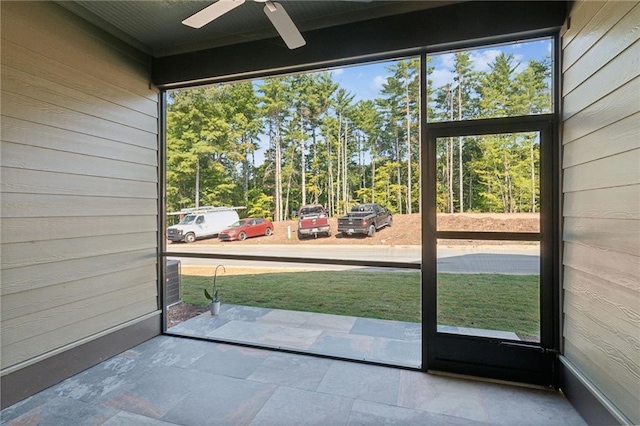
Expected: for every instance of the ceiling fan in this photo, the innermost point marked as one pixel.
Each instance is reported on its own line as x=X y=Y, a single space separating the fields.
x=274 y=11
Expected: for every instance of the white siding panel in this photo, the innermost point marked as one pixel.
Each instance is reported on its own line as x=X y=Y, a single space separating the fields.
x=79 y=173
x=40 y=112
x=61 y=36
x=18 y=82
x=616 y=73
x=615 y=41
x=31 y=277
x=24 y=229
x=617 y=170
x=30 y=302
x=615 y=106
x=619 y=137
x=621 y=202
x=32 y=158
x=601 y=185
x=604 y=300
x=582 y=14
x=620 y=268
x=621 y=347
x=43 y=206
x=608 y=234
x=70 y=76
x=618 y=384
x=57 y=183
x=597 y=28
x=42 y=136
x=18 y=255
x=25 y=349
x=48 y=319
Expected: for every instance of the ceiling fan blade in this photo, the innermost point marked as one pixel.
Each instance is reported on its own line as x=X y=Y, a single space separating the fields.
x=284 y=25
x=209 y=13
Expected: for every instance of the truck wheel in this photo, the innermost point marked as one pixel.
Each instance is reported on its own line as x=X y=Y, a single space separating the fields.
x=242 y=236
x=268 y=232
x=190 y=237
x=300 y=236
x=328 y=233
x=390 y=222
x=372 y=230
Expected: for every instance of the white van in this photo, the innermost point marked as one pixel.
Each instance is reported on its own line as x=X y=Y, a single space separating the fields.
x=201 y=223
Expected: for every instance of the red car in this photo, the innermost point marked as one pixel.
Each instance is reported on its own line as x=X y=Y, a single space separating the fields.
x=246 y=228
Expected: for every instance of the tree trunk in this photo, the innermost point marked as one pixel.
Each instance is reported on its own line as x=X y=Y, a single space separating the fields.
x=339 y=166
x=409 y=183
x=450 y=173
x=245 y=172
x=316 y=172
x=330 y=206
x=373 y=177
x=533 y=181
x=303 y=184
x=197 y=183
x=460 y=166
x=278 y=176
x=303 y=165
x=345 y=166
x=460 y=175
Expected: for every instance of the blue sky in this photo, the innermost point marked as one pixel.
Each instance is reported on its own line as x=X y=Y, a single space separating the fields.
x=365 y=81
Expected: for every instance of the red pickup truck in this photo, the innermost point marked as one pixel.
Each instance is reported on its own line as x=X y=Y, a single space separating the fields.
x=313 y=220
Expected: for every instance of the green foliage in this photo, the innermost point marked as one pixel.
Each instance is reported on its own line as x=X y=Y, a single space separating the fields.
x=320 y=145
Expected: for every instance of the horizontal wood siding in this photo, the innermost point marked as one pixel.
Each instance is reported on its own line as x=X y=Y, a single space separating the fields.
x=601 y=186
x=79 y=183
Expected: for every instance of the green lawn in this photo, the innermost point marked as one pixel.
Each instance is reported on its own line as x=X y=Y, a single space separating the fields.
x=496 y=302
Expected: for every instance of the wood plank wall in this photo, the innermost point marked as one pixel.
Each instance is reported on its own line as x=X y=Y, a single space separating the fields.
x=601 y=162
x=78 y=180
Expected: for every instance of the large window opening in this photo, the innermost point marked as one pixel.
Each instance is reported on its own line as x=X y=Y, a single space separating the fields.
x=391 y=212
x=307 y=189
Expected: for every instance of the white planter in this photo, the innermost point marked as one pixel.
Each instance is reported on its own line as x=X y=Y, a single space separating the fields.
x=215 y=308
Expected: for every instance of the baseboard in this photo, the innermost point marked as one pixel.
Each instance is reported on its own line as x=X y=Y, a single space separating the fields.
x=594 y=407
x=23 y=383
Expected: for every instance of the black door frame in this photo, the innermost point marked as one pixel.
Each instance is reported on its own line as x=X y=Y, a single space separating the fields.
x=480 y=356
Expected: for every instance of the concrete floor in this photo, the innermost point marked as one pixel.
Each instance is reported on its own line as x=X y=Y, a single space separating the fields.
x=173 y=380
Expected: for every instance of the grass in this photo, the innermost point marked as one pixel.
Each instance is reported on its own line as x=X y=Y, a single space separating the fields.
x=488 y=301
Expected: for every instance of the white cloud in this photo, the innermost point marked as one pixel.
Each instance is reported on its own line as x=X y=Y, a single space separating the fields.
x=440 y=77
x=337 y=71
x=377 y=83
x=482 y=60
x=448 y=60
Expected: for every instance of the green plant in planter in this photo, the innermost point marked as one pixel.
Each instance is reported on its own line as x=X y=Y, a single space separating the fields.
x=214 y=298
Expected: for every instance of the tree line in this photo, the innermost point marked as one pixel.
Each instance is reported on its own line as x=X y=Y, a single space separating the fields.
x=322 y=146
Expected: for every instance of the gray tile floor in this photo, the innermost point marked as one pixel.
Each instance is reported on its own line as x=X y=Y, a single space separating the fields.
x=173 y=380
x=381 y=341
x=392 y=342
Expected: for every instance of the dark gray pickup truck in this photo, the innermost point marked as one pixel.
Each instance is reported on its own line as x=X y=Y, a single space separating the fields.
x=364 y=219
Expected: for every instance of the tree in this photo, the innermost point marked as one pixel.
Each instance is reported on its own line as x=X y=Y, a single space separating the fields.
x=273 y=109
x=243 y=118
x=198 y=140
x=322 y=146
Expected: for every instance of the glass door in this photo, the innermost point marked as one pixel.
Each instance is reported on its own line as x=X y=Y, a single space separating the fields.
x=488 y=256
